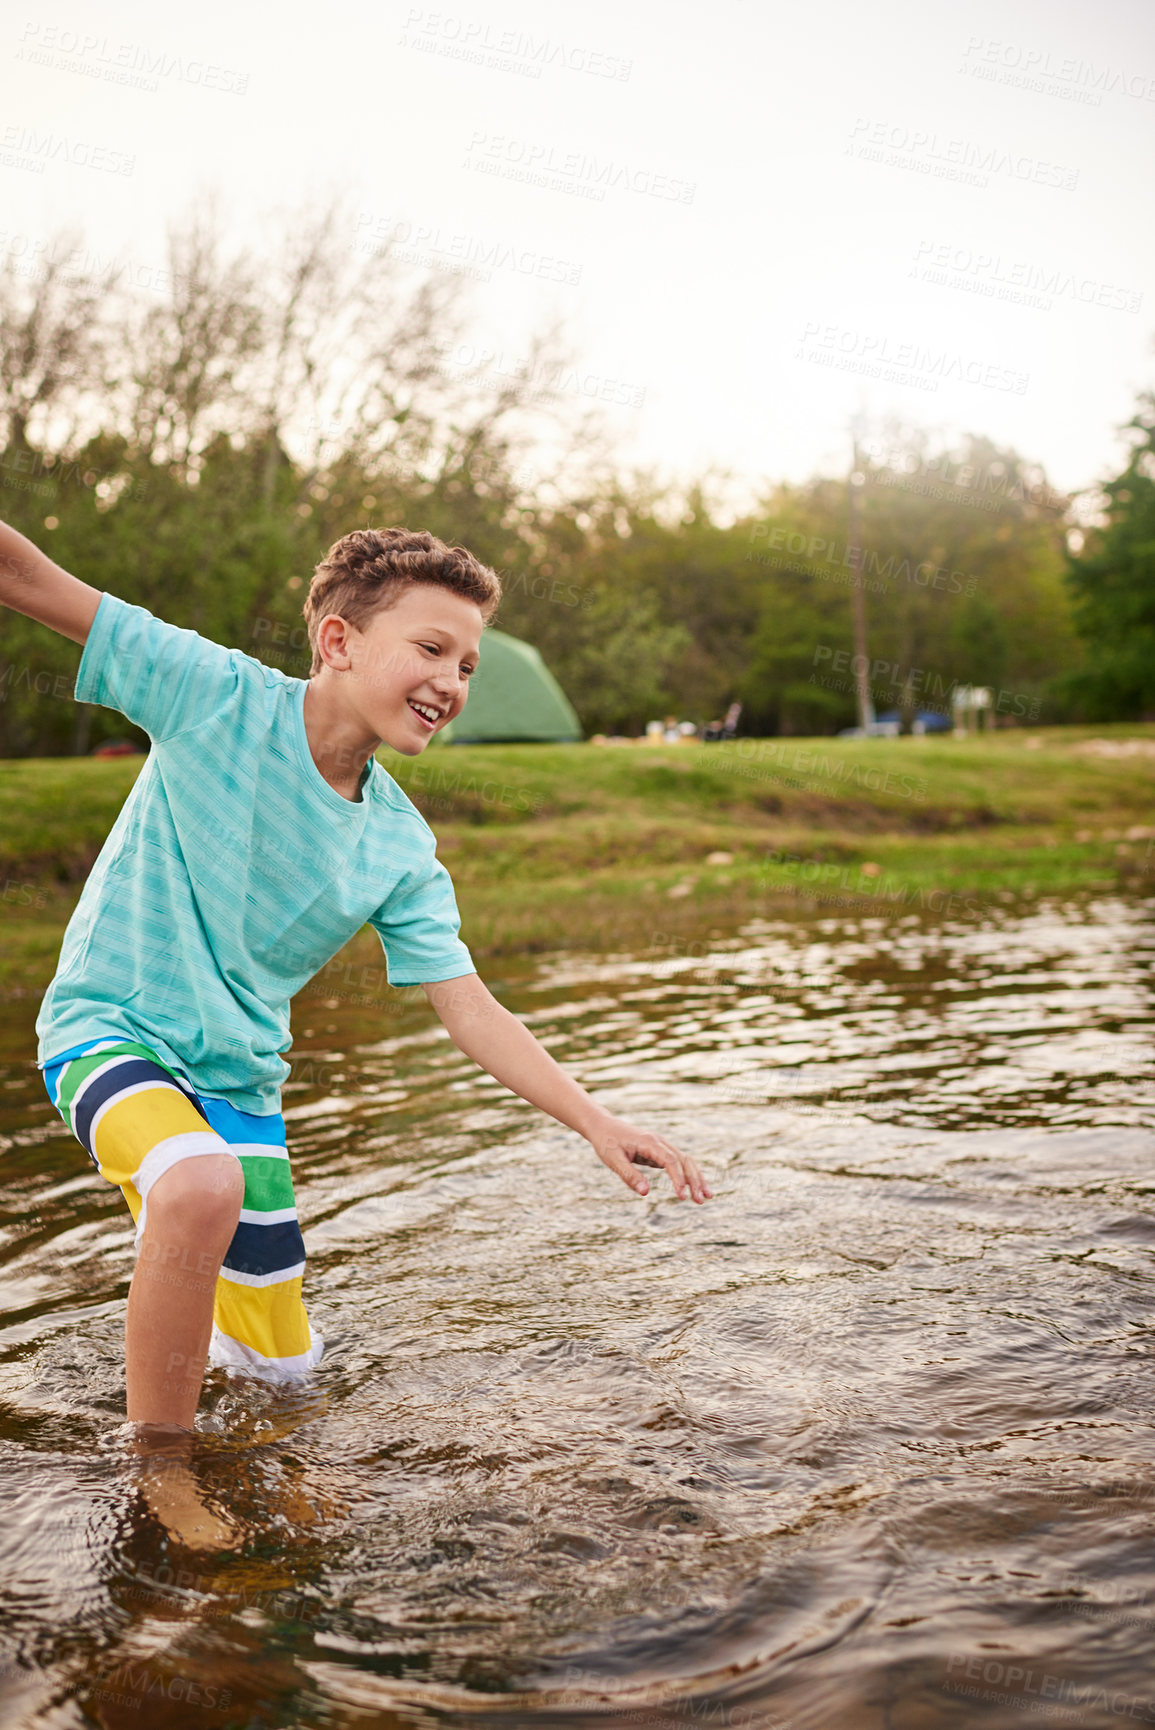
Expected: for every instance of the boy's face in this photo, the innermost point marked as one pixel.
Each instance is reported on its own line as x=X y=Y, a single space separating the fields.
x=411 y=664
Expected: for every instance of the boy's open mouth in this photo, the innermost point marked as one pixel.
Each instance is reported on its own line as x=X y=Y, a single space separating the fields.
x=425 y=712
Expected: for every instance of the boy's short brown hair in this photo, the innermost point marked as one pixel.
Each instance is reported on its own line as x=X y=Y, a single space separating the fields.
x=368 y=569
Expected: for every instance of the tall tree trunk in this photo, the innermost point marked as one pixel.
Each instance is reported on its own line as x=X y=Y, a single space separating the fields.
x=82 y=730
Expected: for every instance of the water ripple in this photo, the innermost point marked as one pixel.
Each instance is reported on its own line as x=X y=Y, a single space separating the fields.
x=867 y=1440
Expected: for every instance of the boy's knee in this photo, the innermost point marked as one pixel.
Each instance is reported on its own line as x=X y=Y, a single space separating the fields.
x=199 y=1195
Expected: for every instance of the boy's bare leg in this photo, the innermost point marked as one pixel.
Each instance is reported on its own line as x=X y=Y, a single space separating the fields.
x=192 y=1214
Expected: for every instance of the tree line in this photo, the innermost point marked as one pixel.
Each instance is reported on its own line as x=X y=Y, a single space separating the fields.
x=196 y=447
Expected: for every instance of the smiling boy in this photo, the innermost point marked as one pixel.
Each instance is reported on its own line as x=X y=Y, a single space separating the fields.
x=259 y=837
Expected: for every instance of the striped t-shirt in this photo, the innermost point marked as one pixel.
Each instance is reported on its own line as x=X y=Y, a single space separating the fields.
x=234 y=871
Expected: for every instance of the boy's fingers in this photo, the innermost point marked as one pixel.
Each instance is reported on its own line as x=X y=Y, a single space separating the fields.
x=683 y=1174
x=672 y=1160
x=626 y=1155
x=698 y=1185
x=626 y=1170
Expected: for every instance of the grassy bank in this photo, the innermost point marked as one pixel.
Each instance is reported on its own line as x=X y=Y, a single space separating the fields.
x=576 y=845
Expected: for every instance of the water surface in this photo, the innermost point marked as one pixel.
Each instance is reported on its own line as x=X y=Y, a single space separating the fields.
x=865 y=1441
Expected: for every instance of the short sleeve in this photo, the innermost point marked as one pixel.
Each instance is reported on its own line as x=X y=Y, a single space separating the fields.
x=418 y=926
x=161 y=677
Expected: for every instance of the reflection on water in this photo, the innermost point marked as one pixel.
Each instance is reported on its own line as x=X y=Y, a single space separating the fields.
x=865 y=1441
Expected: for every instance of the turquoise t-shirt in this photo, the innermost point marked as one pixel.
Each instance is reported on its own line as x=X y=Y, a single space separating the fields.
x=233 y=871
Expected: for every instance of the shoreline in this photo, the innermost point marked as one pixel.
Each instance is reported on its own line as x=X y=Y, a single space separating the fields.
x=557 y=847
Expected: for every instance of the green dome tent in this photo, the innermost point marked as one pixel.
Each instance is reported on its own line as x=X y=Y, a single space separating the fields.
x=513 y=697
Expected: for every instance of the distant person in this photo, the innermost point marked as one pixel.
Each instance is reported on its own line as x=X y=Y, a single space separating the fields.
x=726 y=729
x=260 y=836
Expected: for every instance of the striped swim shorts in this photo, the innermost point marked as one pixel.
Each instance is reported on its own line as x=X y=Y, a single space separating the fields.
x=136 y=1119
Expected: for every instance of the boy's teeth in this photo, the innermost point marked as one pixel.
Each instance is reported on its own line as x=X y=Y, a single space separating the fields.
x=423 y=709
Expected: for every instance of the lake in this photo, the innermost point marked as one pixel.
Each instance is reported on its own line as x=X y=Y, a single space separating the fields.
x=867 y=1440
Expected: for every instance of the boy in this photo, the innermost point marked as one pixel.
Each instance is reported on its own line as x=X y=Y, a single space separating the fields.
x=260 y=835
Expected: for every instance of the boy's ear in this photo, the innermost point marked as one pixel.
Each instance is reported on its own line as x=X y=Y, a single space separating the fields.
x=333 y=637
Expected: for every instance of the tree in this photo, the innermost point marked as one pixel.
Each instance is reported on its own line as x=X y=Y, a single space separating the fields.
x=618 y=674
x=52 y=343
x=198 y=452
x=962 y=561
x=1112 y=579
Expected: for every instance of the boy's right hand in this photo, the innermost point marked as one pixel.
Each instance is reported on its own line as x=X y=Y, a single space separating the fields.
x=622 y=1146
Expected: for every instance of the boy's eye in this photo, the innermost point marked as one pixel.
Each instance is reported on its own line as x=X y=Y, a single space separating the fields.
x=433 y=649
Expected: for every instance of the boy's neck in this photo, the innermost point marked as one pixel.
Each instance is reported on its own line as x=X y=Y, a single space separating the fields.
x=337 y=741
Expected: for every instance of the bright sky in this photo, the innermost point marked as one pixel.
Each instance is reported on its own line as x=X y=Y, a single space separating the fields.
x=754 y=219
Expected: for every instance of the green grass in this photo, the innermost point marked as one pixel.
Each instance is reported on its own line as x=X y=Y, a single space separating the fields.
x=581 y=846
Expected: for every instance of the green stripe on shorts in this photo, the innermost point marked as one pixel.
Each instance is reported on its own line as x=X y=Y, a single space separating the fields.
x=268 y=1182
x=80 y=1068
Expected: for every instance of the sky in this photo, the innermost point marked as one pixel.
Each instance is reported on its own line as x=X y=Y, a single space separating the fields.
x=754 y=222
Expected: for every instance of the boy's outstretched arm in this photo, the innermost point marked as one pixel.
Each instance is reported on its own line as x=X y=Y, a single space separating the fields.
x=30 y=583
x=500 y=1043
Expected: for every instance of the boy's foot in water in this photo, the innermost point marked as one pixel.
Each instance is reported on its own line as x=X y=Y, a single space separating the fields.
x=169 y=1486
